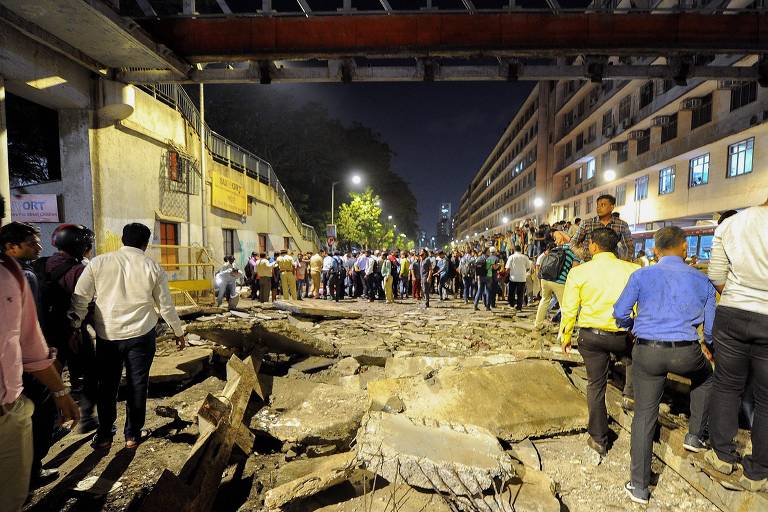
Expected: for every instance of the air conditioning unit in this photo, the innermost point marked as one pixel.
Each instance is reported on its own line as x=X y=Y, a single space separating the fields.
x=691 y=104
x=592 y=101
x=625 y=123
x=637 y=134
x=662 y=120
x=617 y=146
x=608 y=131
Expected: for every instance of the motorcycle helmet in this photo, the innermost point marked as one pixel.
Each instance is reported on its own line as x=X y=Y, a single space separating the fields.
x=74 y=239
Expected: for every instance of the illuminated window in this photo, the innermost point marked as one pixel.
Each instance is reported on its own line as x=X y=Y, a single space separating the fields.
x=698 y=171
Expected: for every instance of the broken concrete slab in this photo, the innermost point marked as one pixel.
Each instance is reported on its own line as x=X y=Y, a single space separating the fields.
x=361 y=380
x=179 y=366
x=373 y=354
x=422 y=365
x=186 y=404
x=314 y=310
x=530 y=491
x=525 y=451
x=401 y=498
x=528 y=398
x=306 y=412
x=431 y=454
x=302 y=478
x=276 y=335
x=348 y=366
x=301 y=324
x=312 y=364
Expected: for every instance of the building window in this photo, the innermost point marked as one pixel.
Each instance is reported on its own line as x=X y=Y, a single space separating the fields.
x=698 y=171
x=286 y=243
x=590 y=168
x=703 y=114
x=169 y=236
x=622 y=153
x=669 y=130
x=625 y=109
x=621 y=194
x=229 y=242
x=576 y=208
x=590 y=201
x=33 y=142
x=592 y=133
x=667 y=180
x=580 y=174
x=567 y=181
x=605 y=160
x=262 y=243
x=644 y=142
x=744 y=94
x=568 y=150
x=641 y=188
x=740 y=157
x=608 y=123
x=646 y=94
x=579 y=141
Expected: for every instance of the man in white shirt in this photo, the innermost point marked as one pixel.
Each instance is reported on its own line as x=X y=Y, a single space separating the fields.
x=326 y=275
x=518 y=266
x=739 y=270
x=127 y=285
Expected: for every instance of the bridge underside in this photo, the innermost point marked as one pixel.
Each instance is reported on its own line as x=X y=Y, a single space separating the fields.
x=147 y=41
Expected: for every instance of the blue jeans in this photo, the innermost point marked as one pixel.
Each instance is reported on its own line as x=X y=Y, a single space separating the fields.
x=469 y=288
x=443 y=285
x=226 y=290
x=136 y=354
x=482 y=290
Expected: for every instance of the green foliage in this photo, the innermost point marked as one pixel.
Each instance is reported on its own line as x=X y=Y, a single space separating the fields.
x=309 y=150
x=359 y=222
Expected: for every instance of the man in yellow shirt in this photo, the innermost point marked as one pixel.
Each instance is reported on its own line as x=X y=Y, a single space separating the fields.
x=264 y=275
x=287 y=275
x=591 y=290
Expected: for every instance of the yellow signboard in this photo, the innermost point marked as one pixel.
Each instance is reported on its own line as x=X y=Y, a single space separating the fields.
x=228 y=195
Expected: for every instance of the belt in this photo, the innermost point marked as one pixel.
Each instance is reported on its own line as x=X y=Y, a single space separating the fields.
x=6 y=408
x=666 y=344
x=604 y=333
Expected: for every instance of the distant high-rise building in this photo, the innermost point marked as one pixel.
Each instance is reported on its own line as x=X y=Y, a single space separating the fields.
x=443 y=233
x=421 y=240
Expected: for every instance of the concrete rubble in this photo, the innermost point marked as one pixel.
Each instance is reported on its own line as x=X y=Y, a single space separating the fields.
x=466 y=460
x=499 y=398
x=385 y=409
x=305 y=412
x=302 y=478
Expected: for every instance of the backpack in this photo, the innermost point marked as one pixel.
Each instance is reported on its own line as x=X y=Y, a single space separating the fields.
x=374 y=266
x=55 y=301
x=338 y=267
x=552 y=264
x=480 y=269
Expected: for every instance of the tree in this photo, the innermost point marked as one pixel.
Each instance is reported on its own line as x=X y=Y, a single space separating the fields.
x=358 y=221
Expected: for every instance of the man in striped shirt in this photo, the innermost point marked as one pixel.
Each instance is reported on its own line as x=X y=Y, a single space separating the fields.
x=556 y=287
x=605 y=219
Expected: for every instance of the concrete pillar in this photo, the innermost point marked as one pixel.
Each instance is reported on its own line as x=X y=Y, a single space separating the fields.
x=5 y=174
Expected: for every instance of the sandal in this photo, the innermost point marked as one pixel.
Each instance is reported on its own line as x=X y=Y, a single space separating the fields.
x=101 y=444
x=132 y=443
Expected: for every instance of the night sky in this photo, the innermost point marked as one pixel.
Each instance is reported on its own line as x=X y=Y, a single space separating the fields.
x=440 y=132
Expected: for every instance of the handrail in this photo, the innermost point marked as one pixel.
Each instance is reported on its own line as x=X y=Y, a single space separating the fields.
x=229 y=152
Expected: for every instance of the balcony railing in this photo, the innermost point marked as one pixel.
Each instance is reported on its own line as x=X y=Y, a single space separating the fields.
x=227 y=152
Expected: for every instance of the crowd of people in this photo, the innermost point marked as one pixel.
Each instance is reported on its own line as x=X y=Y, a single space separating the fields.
x=649 y=312
x=92 y=317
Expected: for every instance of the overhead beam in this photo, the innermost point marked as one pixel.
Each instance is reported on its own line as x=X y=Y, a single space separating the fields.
x=429 y=70
x=454 y=35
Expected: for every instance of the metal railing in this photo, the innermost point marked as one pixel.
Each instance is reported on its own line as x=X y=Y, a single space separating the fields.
x=227 y=152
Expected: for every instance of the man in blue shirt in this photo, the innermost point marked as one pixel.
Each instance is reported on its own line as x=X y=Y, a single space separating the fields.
x=672 y=300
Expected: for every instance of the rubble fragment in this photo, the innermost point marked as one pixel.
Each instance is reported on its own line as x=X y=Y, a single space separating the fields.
x=400 y=498
x=315 y=310
x=528 y=398
x=276 y=335
x=179 y=366
x=305 y=412
x=302 y=478
x=312 y=364
x=432 y=455
x=186 y=404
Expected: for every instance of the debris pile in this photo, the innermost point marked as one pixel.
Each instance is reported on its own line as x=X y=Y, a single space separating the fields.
x=301 y=406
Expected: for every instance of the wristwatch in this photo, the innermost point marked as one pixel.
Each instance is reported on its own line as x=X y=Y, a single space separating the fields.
x=60 y=393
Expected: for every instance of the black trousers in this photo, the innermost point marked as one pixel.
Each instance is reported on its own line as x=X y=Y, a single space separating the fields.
x=650 y=366
x=516 y=294
x=741 y=345
x=136 y=355
x=596 y=349
x=43 y=419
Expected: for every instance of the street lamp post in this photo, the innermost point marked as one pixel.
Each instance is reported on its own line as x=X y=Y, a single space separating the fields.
x=356 y=180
